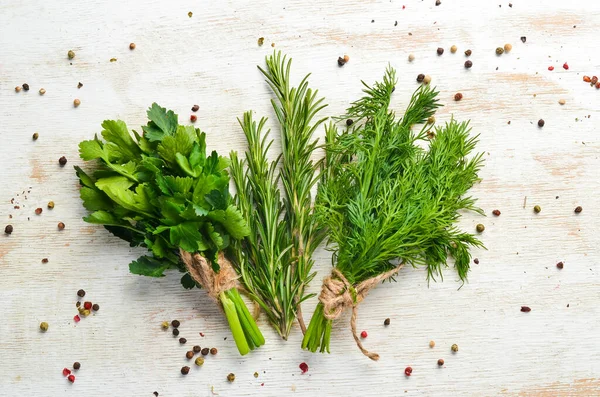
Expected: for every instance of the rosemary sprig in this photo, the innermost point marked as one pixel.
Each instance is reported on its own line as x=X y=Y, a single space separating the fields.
x=386 y=200
x=275 y=262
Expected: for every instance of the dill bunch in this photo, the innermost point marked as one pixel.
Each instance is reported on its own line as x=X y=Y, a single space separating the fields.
x=274 y=261
x=386 y=201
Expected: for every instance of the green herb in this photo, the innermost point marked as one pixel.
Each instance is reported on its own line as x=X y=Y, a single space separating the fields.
x=387 y=201
x=163 y=191
x=275 y=261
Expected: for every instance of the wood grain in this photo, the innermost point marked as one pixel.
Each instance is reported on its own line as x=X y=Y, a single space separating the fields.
x=210 y=59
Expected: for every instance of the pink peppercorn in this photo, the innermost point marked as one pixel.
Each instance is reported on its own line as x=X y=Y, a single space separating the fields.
x=66 y=371
x=566 y=66
x=71 y=378
x=87 y=305
x=77 y=318
x=408 y=371
x=303 y=367
x=363 y=334
x=550 y=68
x=193 y=118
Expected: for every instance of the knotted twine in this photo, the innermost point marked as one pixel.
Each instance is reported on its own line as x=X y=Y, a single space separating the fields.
x=337 y=294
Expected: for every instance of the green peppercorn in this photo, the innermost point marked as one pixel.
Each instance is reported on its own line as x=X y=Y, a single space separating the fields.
x=199 y=361
x=165 y=325
x=537 y=209
x=35 y=136
x=231 y=377
x=50 y=205
x=71 y=54
x=44 y=326
x=499 y=51
x=480 y=228
x=256 y=374
x=454 y=348
x=86 y=312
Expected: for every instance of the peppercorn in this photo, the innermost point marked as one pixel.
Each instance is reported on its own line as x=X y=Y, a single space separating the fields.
x=132 y=46
x=175 y=323
x=411 y=57
x=86 y=312
x=537 y=209
x=523 y=39
x=165 y=325
x=441 y=362
x=193 y=118
x=50 y=205
x=71 y=378
x=231 y=377
x=565 y=66
x=81 y=293
x=438 y=2
x=189 y=355
x=496 y=212
x=525 y=309
x=468 y=53
x=431 y=344
x=87 y=305
x=561 y=101
x=79 y=85
x=594 y=80
x=499 y=51
x=205 y=351
x=185 y=370
x=458 y=96
x=80 y=310
x=77 y=304
x=71 y=54
x=38 y=211
x=341 y=61
x=213 y=351
x=454 y=348
x=44 y=326
x=560 y=265
x=195 y=108
x=175 y=332
x=199 y=361
x=541 y=123
x=155 y=394
x=507 y=47
x=408 y=371
x=550 y=68
x=476 y=261
x=182 y=341
x=44 y=260
x=587 y=79
x=440 y=51
x=256 y=374
x=363 y=334
x=578 y=209
x=431 y=120
x=420 y=77
x=26 y=86
x=598 y=85
x=61 y=226
x=18 y=88
x=76 y=365
x=95 y=307
x=76 y=102
x=480 y=228
x=196 y=349
x=62 y=161
x=349 y=122
x=42 y=91
x=386 y=322
x=8 y=229
x=346 y=58
x=303 y=367
x=453 y=49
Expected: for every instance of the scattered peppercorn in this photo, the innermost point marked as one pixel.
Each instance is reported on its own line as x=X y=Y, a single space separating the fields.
x=420 y=77
x=561 y=101
x=453 y=49
x=440 y=51
x=441 y=362
x=349 y=122
x=38 y=211
x=190 y=14
x=79 y=85
x=587 y=79
x=525 y=309
x=256 y=374
x=261 y=41
x=189 y=355
x=480 y=228
x=42 y=91
x=61 y=226
x=408 y=371
x=132 y=46
x=598 y=85
x=205 y=351
x=196 y=349
x=507 y=47
x=476 y=261
x=71 y=378
x=541 y=123
x=341 y=61
x=81 y=293
x=523 y=39
x=303 y=367
x=468 y=64
x=438 y=2
x=76 y=365
x=62 y=161
x=185 y=370
x=195 y=108
x=44 y=326
x=496 y=212
x=175 y=323
x=113 y=59
x=26 y=86
x=71 y=54
x=76 y=318
x=432 y=344
x=76 y=102
x=363 y=334
x=427 y=79
x=231 y=377
x=499 y=51
x=182 y=341
x=86 y=312
x=44 y=260
x=155 y=394
x=560 y=265
x=66 y=371
x=199 y=361
x=175 y=332
x=87 y=305
x=468 y=53
x=95 y=307
x=165 y=325
x=458 y=96
x=50 y=205
x=411 y=57
x=550 y=68
x=386 y=322
x=454 y=348
x=537 y=209
x=565 y=66
x=18 y=88
x=193 y=118
x=578 y=209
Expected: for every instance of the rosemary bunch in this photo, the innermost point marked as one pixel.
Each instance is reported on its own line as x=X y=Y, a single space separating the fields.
x=275 y=260
x=387 y=201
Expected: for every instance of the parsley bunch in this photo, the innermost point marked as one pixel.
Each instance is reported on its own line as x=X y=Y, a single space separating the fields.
x=387 y=200
x=163 y=191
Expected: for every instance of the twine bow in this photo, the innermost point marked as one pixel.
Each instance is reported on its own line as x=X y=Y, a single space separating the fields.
x=337 y=294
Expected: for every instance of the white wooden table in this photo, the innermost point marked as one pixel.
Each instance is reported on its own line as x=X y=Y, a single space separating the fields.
x=210 y=59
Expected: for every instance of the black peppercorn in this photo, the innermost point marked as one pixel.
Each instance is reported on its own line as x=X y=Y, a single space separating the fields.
x=81 y=293
x=213 y=351
x=196 y=349
x=195 y=108
x=35 y=136
x=175 y=323
x=231 y=377
x=95 y=307
x=441 y=362
x=438 y=2
x=26 y=86
x=185 y=370
x=155 y=394
x=175 y=332
x=182 y=341
x=205 y=351
x=523 y=39
x=476 y=261
x=468 y=53
x=541 y=123
x=440 y=51
x=386 y=321
x=61 y=225
x=349 y=122
x=560 y=265
x=341 y=61
x=468 y=64
x=76 y=365
x=578 y=209
x=420 y=77
x=189 y=355
x=8 y=229
x=62 y=161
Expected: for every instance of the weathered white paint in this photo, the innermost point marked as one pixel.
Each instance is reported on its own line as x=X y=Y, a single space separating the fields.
x=210 y=60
